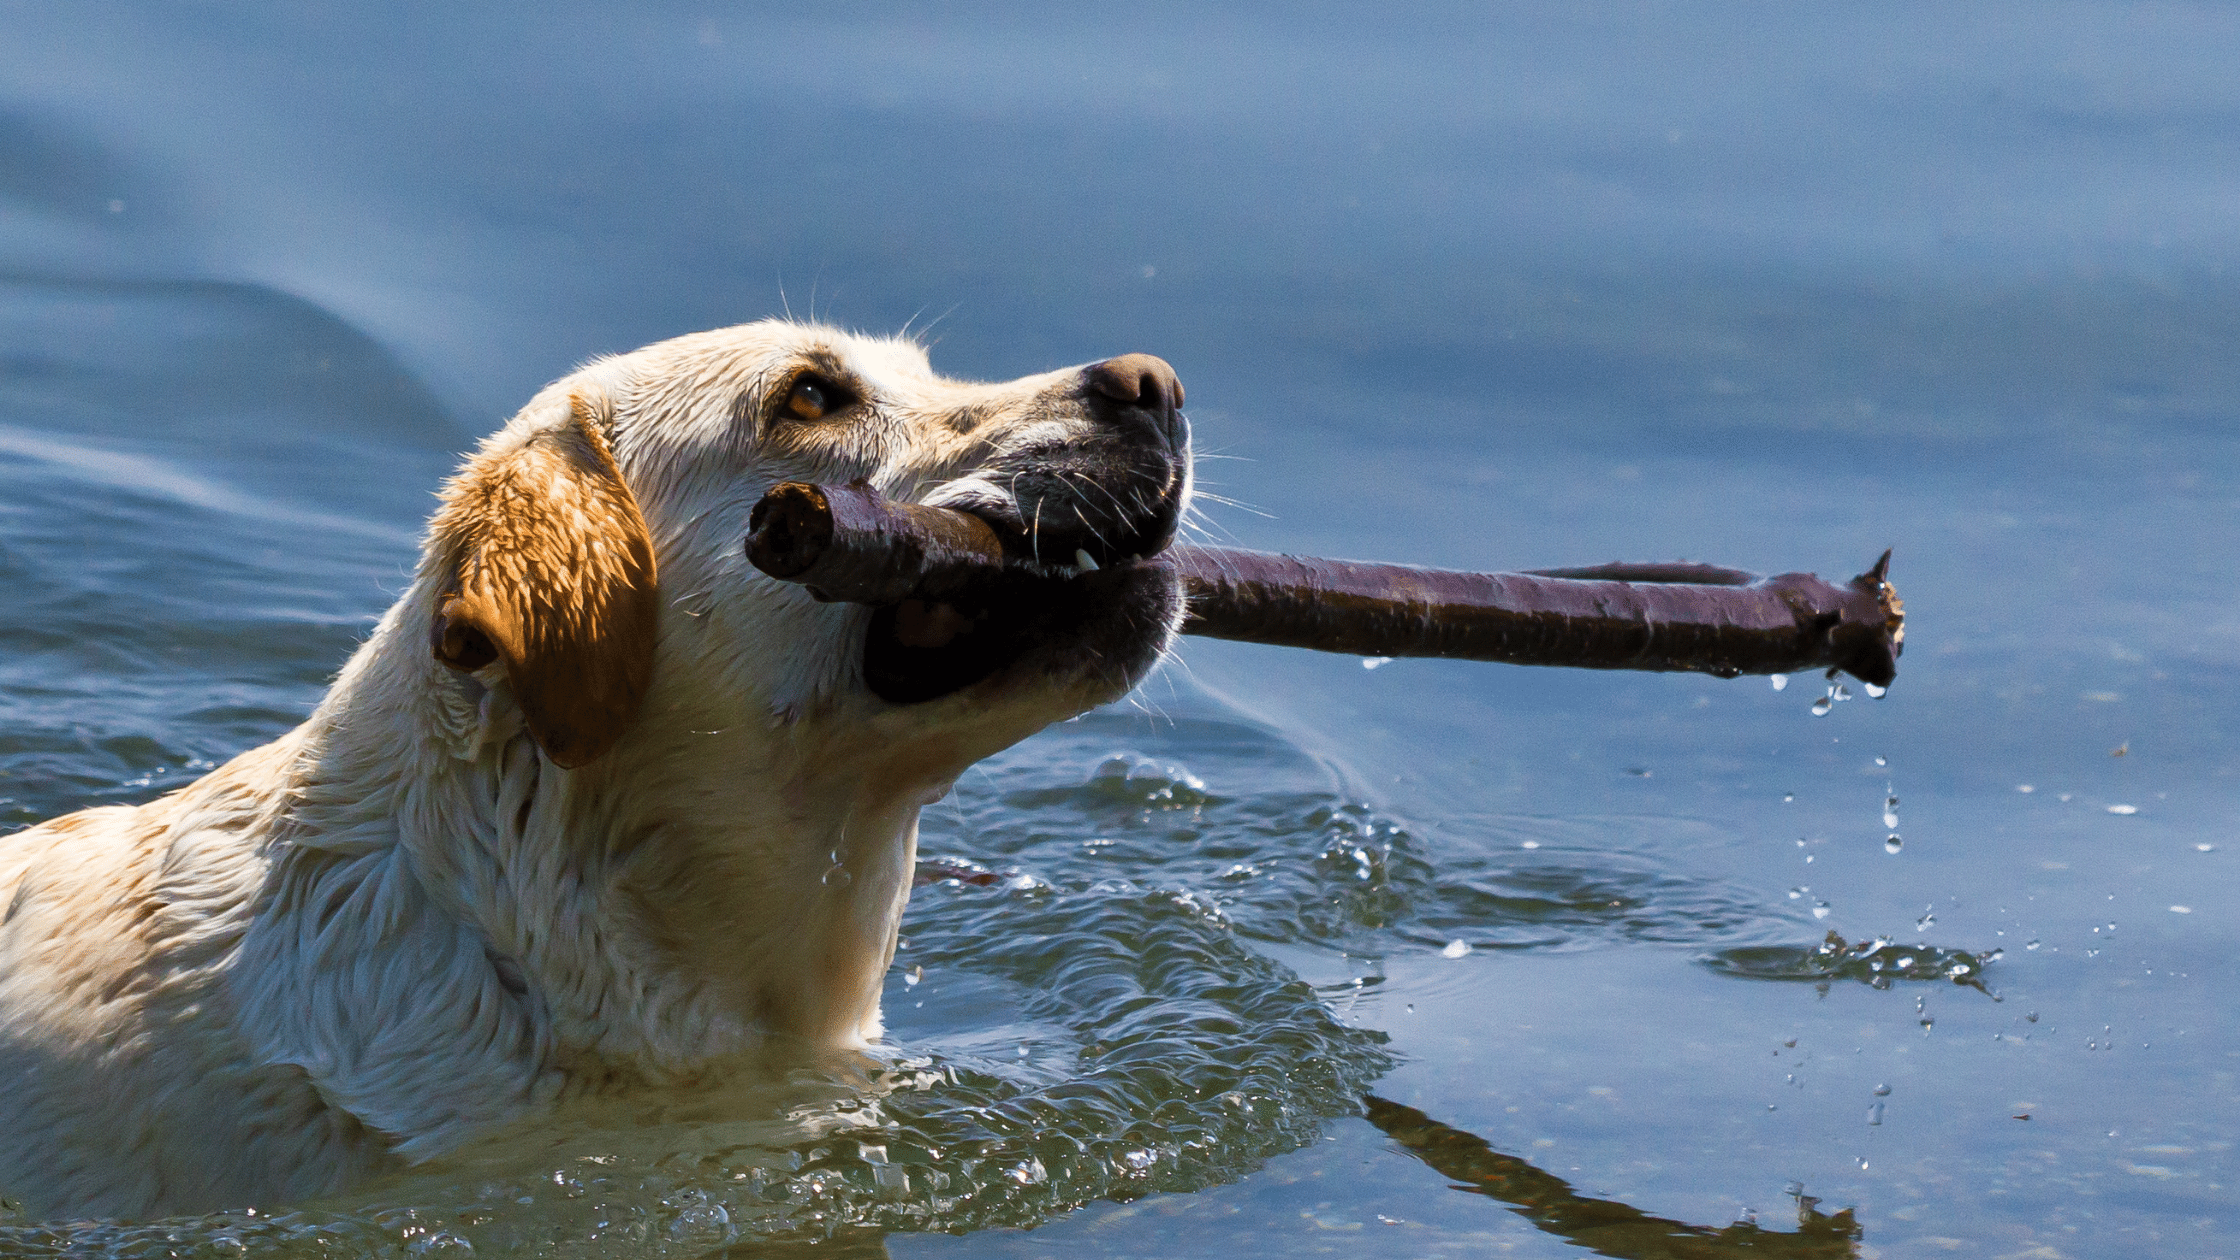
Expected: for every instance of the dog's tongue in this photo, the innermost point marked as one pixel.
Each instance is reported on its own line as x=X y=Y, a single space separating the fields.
x=920 y=624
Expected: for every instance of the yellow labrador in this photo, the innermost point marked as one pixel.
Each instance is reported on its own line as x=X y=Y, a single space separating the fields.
x=597 y=805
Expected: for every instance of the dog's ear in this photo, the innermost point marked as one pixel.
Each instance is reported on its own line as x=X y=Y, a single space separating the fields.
x=544 y=563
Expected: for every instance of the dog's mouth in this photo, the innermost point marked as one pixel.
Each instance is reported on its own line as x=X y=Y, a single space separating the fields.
x=1102 y=627
x=1079 y=604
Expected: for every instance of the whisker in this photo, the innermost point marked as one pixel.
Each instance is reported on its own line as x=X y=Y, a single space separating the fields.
x=1225 y=501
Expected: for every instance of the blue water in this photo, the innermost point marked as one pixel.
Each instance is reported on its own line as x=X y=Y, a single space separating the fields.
x=1498 y=286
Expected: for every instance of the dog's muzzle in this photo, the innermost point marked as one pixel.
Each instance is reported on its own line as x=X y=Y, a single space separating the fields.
x=1112 y=494
x=1082 y=512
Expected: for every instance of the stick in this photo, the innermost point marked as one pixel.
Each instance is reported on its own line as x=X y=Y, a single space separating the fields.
x=847 y=543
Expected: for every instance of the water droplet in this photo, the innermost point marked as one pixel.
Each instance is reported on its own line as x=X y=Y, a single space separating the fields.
x=1904 y=961
x=1876 y=693
x=2181 y=909
x=1821 y=706
x=1882 y=761
x=1780 y=681
x=1456 y=949
x=1028 y=1173
x=2032 y=1017
x=2031 y=945
x=1530 y=844
x=1893 y=843
x=1799 y=891
x=2024 y=788
x=2125 y=810
x=1882 y=1091
x=837 y=876
x=911 y=977
x=1874 y=1116
x=2204 y=848
x=1787 y=797
x=1022 y=1052
x=1928 y=917
x=1372 y=662
x=1820 y=911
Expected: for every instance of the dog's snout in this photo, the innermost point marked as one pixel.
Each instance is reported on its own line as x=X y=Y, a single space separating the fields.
x=1109 y=485
x=1143 y=379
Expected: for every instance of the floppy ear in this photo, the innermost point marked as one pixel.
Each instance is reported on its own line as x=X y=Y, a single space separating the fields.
x=545 y=564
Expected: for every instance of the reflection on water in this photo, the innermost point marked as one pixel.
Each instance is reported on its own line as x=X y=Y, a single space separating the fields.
x=1605 y=1226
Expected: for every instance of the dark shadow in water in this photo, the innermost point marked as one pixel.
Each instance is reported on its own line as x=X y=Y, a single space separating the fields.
x=1603 y=1226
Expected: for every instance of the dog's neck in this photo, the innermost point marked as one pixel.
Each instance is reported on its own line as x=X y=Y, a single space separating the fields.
x=719 y=877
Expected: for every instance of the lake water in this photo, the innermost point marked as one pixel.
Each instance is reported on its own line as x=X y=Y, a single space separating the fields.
x=1490 y=286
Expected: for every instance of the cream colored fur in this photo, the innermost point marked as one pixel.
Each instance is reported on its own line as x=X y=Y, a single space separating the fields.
x=405 y=923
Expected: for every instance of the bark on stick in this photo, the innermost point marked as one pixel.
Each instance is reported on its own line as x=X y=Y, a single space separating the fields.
x=847 y=543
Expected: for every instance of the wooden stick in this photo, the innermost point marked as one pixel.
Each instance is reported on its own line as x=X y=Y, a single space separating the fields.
x=847 y=543
x=850 y=544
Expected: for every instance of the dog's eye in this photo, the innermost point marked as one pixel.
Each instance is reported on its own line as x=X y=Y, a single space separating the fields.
x=812 y=397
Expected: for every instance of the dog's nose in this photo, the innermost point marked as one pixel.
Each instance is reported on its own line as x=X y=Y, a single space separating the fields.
x=1142 y=379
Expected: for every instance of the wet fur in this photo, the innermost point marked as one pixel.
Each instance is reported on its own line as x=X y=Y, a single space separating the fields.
x=563 y=823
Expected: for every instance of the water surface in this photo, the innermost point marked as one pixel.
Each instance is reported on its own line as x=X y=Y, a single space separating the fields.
x=1476 y=286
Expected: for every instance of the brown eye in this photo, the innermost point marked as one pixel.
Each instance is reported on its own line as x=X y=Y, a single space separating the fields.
x=811 y=398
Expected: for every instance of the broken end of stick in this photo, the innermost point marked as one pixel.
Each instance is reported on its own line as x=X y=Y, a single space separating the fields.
x=789 y=529
x=1872 y=656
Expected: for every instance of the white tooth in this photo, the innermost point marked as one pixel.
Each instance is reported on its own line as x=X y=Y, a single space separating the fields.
x=1081 y=557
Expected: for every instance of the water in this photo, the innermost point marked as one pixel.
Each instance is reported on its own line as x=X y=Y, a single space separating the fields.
x=1505 y=287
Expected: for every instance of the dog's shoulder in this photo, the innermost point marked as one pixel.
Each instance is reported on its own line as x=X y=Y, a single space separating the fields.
x=119 y=929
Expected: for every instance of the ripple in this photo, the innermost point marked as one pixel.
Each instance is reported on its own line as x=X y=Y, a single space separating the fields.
x=1877 y=961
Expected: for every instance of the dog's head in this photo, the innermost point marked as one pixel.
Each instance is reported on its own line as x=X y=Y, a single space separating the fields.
x=590 y=559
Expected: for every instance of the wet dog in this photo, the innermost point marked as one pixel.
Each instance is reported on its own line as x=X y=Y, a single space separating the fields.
x=597 y=806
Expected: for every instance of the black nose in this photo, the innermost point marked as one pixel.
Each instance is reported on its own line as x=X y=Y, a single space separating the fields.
x=1142 y=379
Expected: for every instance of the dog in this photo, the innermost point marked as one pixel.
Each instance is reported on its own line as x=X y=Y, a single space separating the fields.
x=597 y=806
